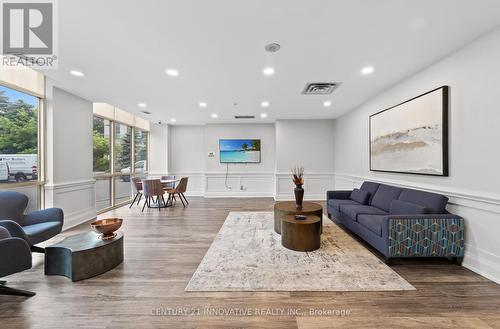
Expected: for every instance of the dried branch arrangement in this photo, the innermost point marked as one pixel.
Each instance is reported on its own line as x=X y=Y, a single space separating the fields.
x=298 y=175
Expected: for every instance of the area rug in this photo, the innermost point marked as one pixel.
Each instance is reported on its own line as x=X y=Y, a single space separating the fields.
x=247 y=255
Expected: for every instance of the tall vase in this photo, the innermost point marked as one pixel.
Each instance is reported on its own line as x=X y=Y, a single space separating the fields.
x=299 y=196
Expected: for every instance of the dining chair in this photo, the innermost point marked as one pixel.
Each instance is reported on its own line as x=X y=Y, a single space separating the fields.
x=153 y=188
x=136 y=190
x=179 y=190
x=169 y=186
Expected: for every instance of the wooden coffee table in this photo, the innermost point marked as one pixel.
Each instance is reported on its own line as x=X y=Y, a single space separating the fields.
x=301 y=235
x=83 y=256
x=288 y=208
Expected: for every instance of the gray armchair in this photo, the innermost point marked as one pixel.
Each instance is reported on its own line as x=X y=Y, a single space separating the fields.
x=15 y=256
x=35 y=227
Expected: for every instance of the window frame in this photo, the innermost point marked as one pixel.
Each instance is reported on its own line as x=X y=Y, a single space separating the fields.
x=111 y=176
x=40 y=181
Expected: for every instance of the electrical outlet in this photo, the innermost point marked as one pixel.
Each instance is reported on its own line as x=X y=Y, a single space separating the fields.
x=242 y=188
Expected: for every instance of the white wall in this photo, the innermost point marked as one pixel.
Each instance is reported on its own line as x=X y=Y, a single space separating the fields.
x=306 y=143
x=70 y=184
x=284 y=144
x=473 y=75
x=188 y=156
x=158 y=144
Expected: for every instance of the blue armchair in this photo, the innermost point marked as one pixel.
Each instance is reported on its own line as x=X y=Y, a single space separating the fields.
x=35 y=227
x=15 y=256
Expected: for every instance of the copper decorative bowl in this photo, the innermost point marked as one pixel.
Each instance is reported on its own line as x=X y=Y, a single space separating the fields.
x=106 y=227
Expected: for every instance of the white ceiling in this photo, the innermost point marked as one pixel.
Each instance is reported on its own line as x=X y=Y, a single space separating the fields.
x=124 y=47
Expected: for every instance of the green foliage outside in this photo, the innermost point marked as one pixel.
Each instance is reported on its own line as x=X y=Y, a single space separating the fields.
x=102 y=147
x=18 y=127
x=123 y=148
x=141 y=145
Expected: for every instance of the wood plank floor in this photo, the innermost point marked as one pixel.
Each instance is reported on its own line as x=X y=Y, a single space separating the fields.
x=163 y=249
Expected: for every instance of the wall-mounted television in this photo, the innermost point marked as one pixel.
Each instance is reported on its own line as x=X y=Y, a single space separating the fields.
x=239 y=150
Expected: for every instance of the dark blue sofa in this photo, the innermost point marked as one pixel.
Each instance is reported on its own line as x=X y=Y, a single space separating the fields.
x=399 y=222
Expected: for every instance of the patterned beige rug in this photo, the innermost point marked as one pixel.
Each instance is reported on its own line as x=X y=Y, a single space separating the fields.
x=247 y=255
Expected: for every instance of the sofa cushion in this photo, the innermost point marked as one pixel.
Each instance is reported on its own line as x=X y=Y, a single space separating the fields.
x=435 y=203
x=384 y=196
x=370 y=187
x=40 y=232
x=353 y=211
x=360 y=196
x=335 y=203
x=372 y=222
x=399 y=207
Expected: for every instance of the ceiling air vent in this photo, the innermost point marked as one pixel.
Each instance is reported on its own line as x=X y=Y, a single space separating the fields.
x=320 y=88
x=244 y=116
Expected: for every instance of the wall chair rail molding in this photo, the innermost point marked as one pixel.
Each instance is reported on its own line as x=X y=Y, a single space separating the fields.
x=480 y=211
x=196 y=182
x=76 y=198
x=241 y=184
x=315 y=185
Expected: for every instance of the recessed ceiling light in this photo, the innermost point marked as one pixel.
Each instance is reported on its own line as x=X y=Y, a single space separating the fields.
x=76 y=73
x=367 y=70
x=264 y=104
x=214 y=115
x=268 y=71
x=141 y=104
x=173 y=120
x=263 y=115
x=203 y=104
x=172 y=72
x=327 y=103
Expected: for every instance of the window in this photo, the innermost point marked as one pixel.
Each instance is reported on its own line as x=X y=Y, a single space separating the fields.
x=19 y=144
x=123 y=149
x=102 y=162
x=102 y=146
x=116 y=147
x=140 y=152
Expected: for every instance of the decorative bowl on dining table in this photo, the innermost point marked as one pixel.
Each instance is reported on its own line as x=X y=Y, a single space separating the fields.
x=106 y=227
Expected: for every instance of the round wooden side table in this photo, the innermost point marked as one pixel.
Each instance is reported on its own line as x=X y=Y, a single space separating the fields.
x=301 y=235
x=288 y=208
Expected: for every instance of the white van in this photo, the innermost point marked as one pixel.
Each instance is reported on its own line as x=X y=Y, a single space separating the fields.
x=22 y=167
x=4 y=172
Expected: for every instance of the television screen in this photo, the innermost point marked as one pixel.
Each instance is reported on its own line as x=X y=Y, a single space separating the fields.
x=239 y=150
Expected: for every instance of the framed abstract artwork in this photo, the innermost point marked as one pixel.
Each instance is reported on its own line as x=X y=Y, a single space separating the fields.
x=412 y=137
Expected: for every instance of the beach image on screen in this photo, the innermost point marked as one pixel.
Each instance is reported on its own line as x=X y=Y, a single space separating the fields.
x=239 y=150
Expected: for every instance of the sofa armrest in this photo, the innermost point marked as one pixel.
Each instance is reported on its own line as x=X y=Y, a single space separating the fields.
x=429 y=235
x=15 y=230
x=43 y=216
x=15 y=256
x=339 y=195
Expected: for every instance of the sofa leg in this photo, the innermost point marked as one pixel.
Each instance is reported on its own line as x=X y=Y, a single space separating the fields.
x=457 y=260
x=14 y=292
x=329 y=216
x=389 y=261
x=37 y=249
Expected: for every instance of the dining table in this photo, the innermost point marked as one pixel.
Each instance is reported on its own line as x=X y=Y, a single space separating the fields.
x=155 y=204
